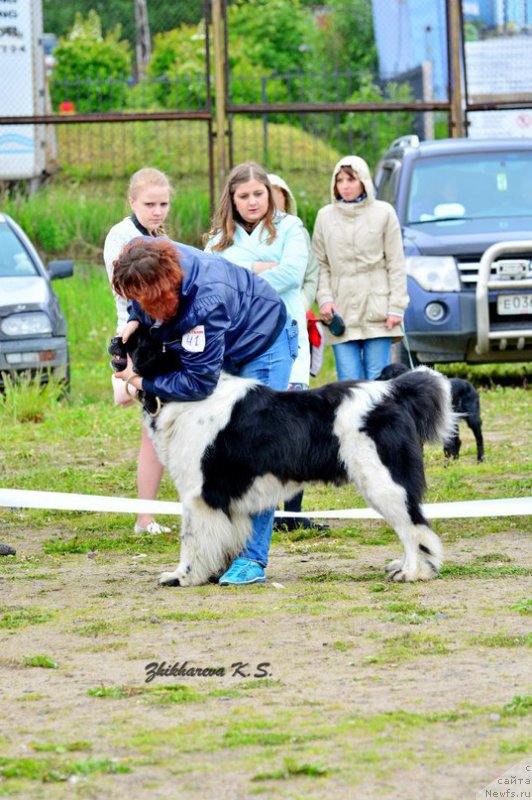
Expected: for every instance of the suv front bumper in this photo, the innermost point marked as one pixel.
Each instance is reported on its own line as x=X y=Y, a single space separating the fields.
x=454 y=337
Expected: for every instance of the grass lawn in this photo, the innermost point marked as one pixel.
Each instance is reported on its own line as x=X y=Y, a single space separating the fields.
x=327 y=681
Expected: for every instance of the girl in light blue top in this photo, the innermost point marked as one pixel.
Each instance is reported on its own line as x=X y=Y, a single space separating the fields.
x=250 y=232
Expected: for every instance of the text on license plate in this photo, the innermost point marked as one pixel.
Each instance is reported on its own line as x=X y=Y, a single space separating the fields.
x=514 y=304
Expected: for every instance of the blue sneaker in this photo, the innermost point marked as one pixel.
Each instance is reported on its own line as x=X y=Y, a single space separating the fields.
x=241 y=572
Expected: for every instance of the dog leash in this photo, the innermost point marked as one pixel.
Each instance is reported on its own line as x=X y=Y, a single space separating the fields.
x=407 y=346
x=136 y=397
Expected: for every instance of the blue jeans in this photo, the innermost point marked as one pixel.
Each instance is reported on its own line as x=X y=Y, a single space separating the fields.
x=362 y=359
x=273 y=369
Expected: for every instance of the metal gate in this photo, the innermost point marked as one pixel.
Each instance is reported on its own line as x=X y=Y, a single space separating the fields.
x=102 y=126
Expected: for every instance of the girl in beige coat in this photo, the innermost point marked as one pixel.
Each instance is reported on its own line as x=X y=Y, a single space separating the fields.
x=357 y=241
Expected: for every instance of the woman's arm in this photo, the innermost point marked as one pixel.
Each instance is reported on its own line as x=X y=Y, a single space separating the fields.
x=324 y=295
x=201 y=353
x=290 y=271
x=312 y=274
x=395 y=266
x=115 y=240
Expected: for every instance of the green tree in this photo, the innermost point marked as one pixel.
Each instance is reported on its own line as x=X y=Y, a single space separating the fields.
x=275 y=33
x=92 y=69
x=343 y=38
x=372 y=133
x=177 y=67
x=59 y=16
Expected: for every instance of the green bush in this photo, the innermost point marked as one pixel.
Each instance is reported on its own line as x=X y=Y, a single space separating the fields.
x=178 y=67
x=274 y=31
x=92 y=69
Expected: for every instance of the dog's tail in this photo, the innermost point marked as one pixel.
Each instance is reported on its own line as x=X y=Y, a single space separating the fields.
x=426 y=395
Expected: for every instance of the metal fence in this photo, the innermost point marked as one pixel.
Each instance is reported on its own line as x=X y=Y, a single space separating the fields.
x=100 y=101
x=434 y=68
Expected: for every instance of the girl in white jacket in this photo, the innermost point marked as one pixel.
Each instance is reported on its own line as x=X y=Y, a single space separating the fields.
x=149 y=198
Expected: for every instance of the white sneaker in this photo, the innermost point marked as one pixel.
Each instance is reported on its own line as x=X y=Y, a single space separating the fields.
x=153 y=528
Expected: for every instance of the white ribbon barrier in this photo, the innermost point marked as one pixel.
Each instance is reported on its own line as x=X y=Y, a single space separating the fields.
x=63 y=501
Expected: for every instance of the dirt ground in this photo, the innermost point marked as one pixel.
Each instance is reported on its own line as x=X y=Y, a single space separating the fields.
x=352 y=687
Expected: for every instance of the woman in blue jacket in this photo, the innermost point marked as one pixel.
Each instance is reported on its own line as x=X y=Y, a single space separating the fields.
x=214 y=316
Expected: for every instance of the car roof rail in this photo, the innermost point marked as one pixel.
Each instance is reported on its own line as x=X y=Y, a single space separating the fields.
x=411 y=140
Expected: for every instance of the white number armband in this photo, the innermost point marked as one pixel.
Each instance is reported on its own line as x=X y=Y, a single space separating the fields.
x=194 y=340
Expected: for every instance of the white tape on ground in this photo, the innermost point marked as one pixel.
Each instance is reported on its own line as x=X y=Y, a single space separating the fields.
x=63 y=501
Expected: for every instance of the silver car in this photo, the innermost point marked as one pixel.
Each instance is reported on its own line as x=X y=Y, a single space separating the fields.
x=32 y=326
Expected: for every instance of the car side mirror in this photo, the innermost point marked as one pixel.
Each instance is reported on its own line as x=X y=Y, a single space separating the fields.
x=60 y=269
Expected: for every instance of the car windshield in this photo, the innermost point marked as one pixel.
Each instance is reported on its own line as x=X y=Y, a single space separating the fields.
x=14 y=260
x=470 y=186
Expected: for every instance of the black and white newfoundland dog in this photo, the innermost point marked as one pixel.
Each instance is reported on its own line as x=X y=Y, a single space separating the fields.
x=247 y=448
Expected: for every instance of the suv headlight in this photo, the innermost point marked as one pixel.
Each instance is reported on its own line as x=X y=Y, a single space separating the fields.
x=35 y=323
x=434 y=273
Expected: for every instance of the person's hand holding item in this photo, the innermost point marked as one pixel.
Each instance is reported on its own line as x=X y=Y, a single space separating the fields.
x=327 y=311
x=392 y=320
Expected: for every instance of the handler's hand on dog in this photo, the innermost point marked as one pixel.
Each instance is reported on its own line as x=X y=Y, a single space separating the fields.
x=130 y=328
x=128 y=372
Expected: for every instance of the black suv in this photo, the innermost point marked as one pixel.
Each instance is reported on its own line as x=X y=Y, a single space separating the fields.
x=465 y=208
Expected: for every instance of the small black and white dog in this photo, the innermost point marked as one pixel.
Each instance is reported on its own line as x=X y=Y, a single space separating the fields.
x=246 y=448
x=466 y=404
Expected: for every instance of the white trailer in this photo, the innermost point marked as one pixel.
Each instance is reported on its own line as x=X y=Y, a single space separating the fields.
x=25 y=149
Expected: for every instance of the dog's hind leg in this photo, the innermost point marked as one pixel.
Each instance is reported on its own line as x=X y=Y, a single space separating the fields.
x=400 y=507
x=210 y=540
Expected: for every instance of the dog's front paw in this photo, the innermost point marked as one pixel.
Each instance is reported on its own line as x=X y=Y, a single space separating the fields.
x=170 y=579
x=425 y=570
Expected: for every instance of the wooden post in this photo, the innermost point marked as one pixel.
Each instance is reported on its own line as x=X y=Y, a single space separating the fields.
x=454 y=29
x=142 y=43
x=220 y=89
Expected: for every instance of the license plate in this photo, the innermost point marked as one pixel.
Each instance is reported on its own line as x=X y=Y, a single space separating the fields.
x=514 y=304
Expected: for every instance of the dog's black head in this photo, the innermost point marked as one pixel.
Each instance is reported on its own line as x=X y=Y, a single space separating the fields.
x=392 y=371
x=148 y=357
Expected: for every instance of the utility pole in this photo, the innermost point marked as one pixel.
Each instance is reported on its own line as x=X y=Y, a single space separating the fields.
x=219 y=88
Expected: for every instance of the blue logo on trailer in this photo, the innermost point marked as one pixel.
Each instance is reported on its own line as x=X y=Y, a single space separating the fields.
x=15 y=143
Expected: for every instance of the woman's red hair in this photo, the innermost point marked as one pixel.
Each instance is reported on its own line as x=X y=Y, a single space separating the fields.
x=149 y=272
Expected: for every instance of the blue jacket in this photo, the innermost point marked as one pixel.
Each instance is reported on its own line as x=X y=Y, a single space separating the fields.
x=226 y=317
x=290 y=249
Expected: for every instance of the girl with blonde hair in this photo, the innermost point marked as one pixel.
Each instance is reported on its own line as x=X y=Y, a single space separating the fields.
x=149 y=199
